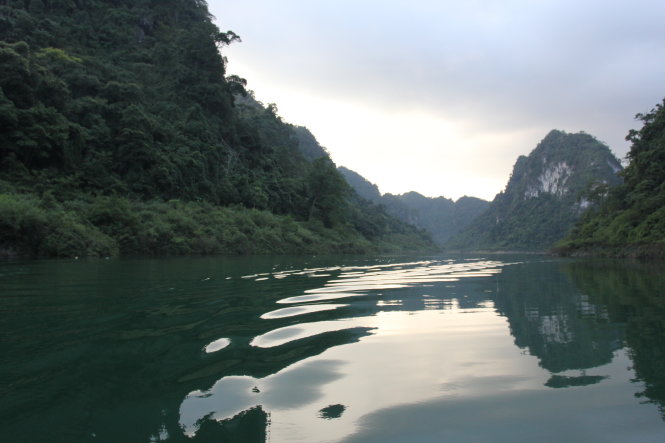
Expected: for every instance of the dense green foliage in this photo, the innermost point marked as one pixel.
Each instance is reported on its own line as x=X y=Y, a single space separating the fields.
x=133 y=98
x=441 y=217
x=107 y=226
x=128 y=103
x=631 y=219
x=546 y=194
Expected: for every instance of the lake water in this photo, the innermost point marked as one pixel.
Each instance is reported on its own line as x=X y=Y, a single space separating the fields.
x=339 y=349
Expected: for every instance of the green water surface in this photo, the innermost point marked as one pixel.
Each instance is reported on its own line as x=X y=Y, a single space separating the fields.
x=339 y=349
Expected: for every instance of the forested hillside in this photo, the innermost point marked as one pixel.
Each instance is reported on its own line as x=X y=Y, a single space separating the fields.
x=122 y=133
x=631 y=219
x=547 y=192
x=440 y=216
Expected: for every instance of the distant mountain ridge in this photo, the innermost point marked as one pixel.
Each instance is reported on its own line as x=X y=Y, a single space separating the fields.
x=547 y=192
x=440 y=216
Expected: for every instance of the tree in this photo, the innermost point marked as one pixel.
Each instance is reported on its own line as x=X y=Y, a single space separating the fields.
x=327 y=192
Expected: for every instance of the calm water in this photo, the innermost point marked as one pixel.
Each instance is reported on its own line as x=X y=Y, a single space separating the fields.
x=351 y=349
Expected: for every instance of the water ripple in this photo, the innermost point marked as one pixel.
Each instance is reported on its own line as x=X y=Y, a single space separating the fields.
x=280 y=336
x=377 y=297
x=359 y=281
x=300 y=310
x=216 y=345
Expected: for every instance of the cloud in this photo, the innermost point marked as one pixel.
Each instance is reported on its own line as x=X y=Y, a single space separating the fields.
x=497 y=75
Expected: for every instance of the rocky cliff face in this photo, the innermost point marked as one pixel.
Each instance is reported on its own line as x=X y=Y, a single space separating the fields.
x=551 y=181
x=544 y=196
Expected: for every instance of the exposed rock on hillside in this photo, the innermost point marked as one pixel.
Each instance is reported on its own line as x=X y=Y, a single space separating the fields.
x=546 y=193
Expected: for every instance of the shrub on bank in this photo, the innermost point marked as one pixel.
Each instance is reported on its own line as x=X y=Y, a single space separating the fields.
x=34 y=226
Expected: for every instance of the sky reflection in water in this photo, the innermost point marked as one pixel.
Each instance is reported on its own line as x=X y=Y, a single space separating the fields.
x=432 y=339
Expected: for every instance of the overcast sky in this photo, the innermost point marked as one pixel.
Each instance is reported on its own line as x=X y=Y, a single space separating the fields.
x=440 y=97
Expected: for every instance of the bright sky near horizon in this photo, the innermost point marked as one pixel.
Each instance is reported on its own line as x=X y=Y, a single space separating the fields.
x=441 y=97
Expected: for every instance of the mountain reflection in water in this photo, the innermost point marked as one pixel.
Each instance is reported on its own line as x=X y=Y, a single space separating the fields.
x=333 y=349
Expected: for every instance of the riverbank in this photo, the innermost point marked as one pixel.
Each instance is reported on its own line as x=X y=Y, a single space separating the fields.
x=639 y=251
x=103 y=226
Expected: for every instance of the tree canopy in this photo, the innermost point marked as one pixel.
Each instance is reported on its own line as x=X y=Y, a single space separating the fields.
x=631 y=218
x=130 y=101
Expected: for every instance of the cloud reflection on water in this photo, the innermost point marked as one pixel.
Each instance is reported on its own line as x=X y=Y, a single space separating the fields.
x=369 y=288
